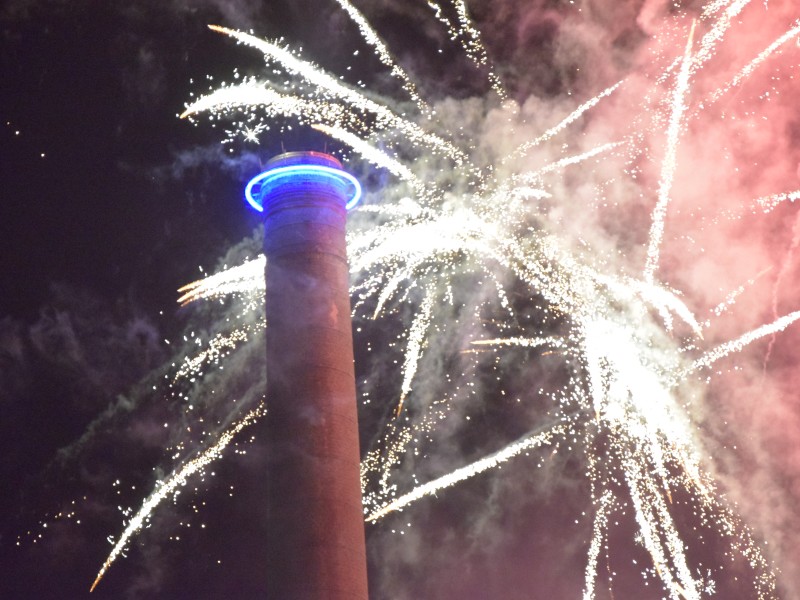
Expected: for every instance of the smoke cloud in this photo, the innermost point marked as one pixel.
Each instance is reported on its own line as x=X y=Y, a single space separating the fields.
x=733 y=150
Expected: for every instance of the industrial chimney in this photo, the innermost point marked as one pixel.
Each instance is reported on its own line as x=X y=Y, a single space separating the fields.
x=316 y=546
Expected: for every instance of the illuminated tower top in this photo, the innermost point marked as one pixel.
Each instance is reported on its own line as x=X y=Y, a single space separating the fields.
x=296 y=168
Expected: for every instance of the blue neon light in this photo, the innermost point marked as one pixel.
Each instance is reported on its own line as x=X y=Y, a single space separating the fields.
x=255 y=188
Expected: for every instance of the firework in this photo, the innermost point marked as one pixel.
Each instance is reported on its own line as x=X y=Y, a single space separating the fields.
x=467 y=231
x=170 y=486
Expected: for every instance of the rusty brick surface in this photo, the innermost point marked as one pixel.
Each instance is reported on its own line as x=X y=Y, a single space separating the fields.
x=316 y=546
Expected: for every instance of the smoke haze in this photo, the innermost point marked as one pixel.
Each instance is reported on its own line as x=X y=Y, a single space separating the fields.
x=523 y=530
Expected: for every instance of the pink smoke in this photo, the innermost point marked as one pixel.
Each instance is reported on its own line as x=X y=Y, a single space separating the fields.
x=733 y=151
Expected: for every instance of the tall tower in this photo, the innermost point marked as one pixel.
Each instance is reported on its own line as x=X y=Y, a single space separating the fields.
x=316 y=546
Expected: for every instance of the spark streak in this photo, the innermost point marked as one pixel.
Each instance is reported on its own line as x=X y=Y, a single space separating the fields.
x=736 y=345
x=245 y=278
x=669 y=163
x=759 y=60
x=470 y=38
x=373 y=155
x=598 y=533
x=769 y=203
x=323 y=81
x=519 y=341
x=173 y=482
x=382 y=52
x=471 y=470
x=566 y=122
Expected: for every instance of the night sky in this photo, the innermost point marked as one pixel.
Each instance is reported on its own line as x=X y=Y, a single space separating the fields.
x=135 y=202
x=109 y=202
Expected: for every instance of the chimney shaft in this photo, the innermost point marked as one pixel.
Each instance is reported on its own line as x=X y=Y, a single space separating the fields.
x=316 y=547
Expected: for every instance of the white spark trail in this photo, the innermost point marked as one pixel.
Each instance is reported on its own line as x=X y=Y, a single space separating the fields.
x=253 y=93
x=323 y=81
x=732 y=296
x=658 y=532
x=748 y=70
x=372 y=154
x=474 y=47
x=219 y=346
x=736 y=345
x=173 y=482
x=669 y=163
x=770 y=203
x=710 y=40
x=470 y=470
x=566 y=122
x=382 y=52
x=416 y=340
x=521 y=341
x=470 y=38
x=599 y=528
x=714 y=6
x=570 y=160
x=247 y=278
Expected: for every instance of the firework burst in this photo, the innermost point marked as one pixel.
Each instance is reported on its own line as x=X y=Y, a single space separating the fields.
x=475 y=236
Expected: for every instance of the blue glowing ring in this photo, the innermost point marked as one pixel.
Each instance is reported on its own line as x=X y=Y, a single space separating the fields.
x=280 y=172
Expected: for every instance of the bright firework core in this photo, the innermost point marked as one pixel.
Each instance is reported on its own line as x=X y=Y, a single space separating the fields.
x=305 y=166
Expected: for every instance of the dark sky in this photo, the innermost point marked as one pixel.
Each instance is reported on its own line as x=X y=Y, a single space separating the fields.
x=90 y=102
x=109 y=203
